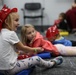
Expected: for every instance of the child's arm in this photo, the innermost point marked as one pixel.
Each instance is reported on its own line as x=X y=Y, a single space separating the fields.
x=20 y=46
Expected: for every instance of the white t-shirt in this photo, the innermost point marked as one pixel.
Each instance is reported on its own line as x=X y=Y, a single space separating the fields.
x=8 y=56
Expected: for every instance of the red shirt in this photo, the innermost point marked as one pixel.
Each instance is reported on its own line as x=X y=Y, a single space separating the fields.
x=39 y=41
x=71 y=17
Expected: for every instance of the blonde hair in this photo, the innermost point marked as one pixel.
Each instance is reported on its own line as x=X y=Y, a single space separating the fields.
x=23 y=32
x=9 y=20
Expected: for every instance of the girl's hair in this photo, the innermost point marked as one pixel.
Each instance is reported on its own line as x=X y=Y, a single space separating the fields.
x=9 y=20
x=63 y=15
x=23 y=32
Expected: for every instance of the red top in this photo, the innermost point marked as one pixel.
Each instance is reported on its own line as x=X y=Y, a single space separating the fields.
x=39 y=41
x=71 y=17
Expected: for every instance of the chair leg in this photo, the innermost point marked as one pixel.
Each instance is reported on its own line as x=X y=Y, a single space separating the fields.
x=42 y=28
x=24 y=20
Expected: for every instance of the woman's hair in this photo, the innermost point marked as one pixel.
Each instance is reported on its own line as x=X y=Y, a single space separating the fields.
x=74 y=1
x=74 y=4
x=23 y=33
x=63 y=15
x=9 y=20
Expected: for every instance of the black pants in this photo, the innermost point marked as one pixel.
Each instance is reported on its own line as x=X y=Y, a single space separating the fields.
x=73 y=43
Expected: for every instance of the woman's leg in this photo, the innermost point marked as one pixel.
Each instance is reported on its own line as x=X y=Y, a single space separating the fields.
x=66 y=50
x=32 y=61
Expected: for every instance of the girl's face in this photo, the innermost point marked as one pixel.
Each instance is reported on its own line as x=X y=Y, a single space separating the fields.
x=15 y=21
x=30 y=33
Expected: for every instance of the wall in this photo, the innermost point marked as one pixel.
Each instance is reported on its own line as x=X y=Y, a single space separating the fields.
x=52 y=8
x=1 y=4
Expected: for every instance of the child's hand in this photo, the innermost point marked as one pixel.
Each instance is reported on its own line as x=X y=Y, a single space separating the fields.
x=38 y=49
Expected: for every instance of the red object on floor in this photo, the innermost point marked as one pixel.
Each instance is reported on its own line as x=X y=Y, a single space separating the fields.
x=23 y=56
x=56 y=22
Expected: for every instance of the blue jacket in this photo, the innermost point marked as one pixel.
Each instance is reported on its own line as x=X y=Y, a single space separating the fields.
x=63 y=41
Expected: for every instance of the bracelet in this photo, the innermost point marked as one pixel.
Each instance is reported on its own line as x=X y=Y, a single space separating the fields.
x=35 y=50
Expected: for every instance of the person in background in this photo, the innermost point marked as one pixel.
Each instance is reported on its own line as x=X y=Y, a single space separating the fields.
x=61 y=22
x=74 y=3
x=55 y=36
x=71 y=17
x=9 y=42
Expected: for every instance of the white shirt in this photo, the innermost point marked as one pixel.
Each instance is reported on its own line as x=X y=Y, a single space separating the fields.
x=8 y=56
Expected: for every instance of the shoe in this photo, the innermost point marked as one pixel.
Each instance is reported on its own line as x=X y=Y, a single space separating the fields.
x=58 y=60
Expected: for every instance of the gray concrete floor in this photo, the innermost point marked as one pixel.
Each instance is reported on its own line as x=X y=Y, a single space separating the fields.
x=68 y=67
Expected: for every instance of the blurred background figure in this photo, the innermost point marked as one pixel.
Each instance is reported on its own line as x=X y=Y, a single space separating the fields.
x=71 y=16
x=61 y=22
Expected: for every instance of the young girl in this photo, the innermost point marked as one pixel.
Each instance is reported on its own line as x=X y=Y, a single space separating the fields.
x=33 y=38
x=9 y=21
x=55 y=36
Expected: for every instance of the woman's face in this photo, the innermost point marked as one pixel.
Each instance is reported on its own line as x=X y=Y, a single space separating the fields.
x=15 y=21
x=30 y=33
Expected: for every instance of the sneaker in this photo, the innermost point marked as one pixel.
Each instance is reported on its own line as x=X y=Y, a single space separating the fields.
x=58 y=60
